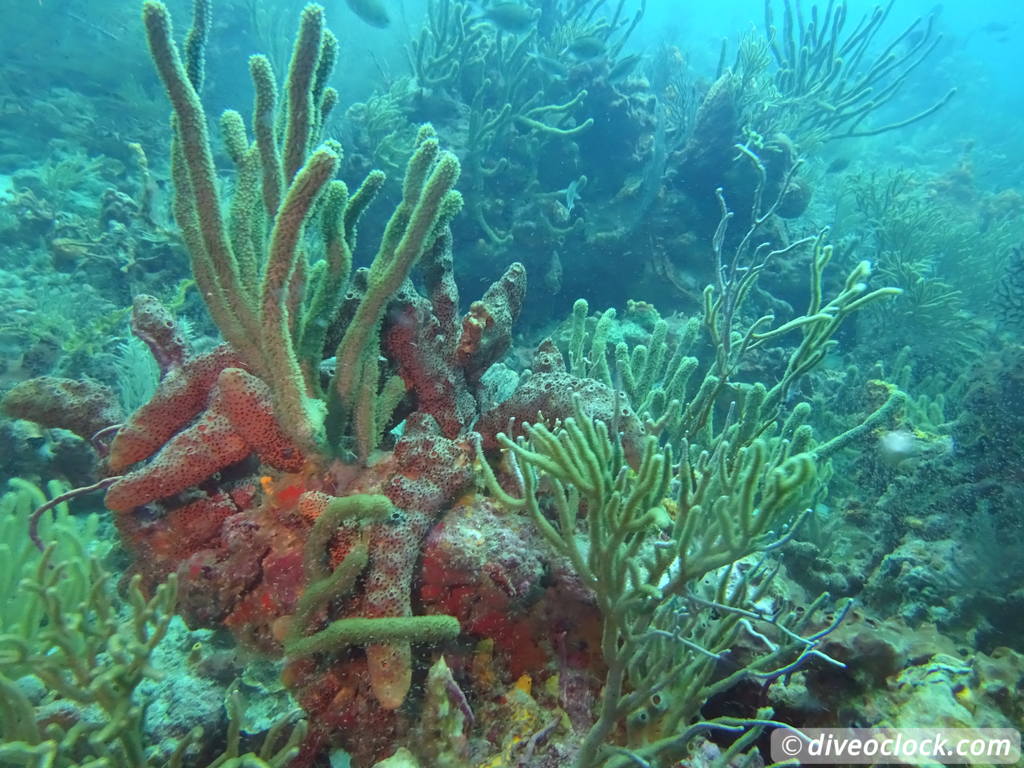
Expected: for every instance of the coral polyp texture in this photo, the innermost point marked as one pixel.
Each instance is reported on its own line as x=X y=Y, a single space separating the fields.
x=331 y=512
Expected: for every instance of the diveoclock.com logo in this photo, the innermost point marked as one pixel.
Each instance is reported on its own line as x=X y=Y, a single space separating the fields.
x=910 y=746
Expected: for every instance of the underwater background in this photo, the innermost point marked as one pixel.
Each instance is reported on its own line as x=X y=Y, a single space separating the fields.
x=458 y=383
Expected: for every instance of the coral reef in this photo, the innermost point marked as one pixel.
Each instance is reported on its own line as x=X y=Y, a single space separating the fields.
x=282 y=493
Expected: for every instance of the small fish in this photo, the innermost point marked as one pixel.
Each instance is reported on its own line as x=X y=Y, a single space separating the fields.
x=511 y=17
x=550 y=66
x=838 y=165
x=995 y=28
x=372 y=12
x=914 y=38
x=624 y=67
x=586 y=47
x=572 y=192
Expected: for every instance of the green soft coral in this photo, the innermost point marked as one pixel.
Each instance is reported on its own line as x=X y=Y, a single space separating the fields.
x=65 y=627
x=23 y=610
